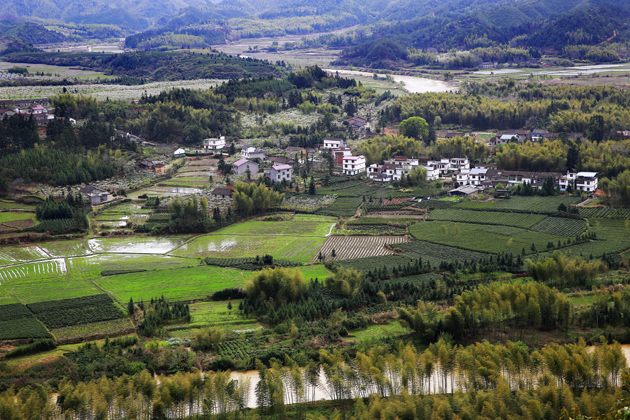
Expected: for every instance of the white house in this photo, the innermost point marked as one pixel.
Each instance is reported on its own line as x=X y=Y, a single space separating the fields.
x=179 y=153
x=252 y=153
x=581 y=181
x=353 y=165
x=330 y=143
x=442 y=166
x=475 y=176
x=279 y=173
x=432 y=173
x=214 y=143
x=393 y=169
x=457 y=164
x=462 y=177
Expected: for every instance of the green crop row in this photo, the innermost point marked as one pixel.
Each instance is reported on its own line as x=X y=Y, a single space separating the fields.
x=520 y=220
x=17 y=322
x=560 y=226
x=604 y=213
x=76 y=311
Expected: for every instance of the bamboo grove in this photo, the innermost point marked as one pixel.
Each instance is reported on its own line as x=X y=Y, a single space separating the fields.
x=564 y=108
x=510 y=380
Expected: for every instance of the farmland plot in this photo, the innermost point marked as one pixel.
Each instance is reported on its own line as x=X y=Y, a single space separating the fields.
x=232 y=246
x=342 y=207
x=136 y=245
x=351 y=247
x=65 y=249
x=435 y=253
x=103 y=328
x=26 y=253
x=301 y=249
x=297 y=227
x=49 y=289
x=34 y=271
x=184 y=284
x=371 y=264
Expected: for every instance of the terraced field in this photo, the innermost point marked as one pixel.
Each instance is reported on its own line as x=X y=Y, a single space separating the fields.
x=54 y=268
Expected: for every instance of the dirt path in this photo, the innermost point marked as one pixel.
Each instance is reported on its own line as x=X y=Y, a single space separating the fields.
x=614 y=35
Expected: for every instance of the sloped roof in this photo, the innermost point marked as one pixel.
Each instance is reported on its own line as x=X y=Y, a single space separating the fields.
x=222 y=191
x=242 y=162
x=90 y=189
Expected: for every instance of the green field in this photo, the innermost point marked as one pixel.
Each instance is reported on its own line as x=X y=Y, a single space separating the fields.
x=281 y=247
x=92 y=266
x=342 y=207
x=612 y=237
x=484 y=238
x=8 y=204
x=183 y=284
x=300 y=226
x=41 y=291
x=10 y=216
x=393 y=329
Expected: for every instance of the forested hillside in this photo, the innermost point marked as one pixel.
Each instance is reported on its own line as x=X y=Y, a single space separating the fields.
x=157 y=65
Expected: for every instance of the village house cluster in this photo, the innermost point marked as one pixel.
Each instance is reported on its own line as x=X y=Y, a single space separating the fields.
x=38 y=110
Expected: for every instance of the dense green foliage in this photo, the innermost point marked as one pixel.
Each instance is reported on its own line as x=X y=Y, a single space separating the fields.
x=36 y=347
x=159 y=312
x=157 y=65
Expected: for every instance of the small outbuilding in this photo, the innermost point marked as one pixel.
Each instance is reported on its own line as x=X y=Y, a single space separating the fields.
x=222 y=193
x=464 y=190
x=94 y=194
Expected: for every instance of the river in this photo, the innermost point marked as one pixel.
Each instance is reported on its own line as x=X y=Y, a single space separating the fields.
x=412 y=84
